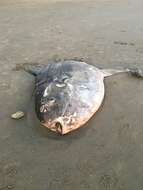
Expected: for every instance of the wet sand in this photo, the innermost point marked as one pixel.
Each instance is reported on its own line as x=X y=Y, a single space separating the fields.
x=107 y=153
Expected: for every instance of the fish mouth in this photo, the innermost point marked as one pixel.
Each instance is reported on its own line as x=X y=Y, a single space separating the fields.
x=59 y=125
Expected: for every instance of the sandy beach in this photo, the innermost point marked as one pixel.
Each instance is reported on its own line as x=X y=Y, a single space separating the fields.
x=105 y=154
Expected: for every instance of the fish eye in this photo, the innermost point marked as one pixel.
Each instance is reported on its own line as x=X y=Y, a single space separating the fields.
x=51 y=99
x=65 y=78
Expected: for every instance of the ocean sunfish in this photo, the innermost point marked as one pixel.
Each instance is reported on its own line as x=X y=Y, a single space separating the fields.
x=68 y=93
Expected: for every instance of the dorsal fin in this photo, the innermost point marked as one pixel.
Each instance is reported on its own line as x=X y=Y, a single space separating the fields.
x=32 y=68
x=133 y=71
x=110 y=72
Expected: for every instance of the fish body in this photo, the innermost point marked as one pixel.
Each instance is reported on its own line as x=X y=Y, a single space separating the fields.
x=67 y=95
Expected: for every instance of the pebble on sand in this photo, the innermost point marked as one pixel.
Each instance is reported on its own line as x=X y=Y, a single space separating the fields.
x=17 y=115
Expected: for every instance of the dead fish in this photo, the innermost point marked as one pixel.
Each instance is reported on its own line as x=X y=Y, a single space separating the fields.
x=68 y=93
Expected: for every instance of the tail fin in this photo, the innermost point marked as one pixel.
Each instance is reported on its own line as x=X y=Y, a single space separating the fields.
x=133 y=71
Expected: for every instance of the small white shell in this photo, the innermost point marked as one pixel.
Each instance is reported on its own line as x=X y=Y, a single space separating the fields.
x=17 y=115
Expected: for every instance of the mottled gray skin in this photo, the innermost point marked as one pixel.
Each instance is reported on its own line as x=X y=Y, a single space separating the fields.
x=67 y=94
